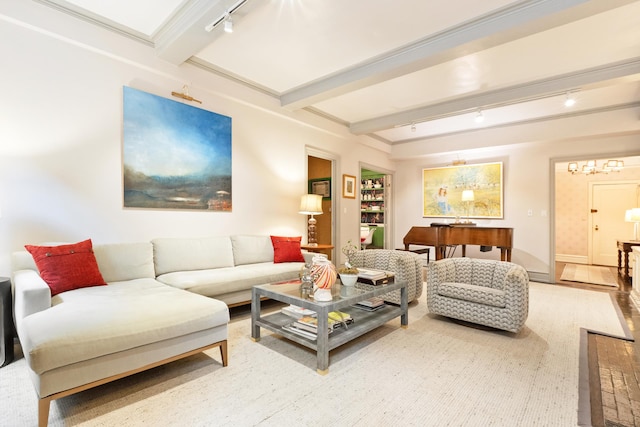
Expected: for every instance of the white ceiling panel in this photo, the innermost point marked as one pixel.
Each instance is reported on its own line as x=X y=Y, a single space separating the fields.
x=380 y=67
x=300 y=41
x=143 y=16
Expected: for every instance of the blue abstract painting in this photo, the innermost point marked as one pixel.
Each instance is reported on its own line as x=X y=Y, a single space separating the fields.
x=176 y=156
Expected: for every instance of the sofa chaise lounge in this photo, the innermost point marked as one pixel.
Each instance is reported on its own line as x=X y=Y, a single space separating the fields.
x=156 y=307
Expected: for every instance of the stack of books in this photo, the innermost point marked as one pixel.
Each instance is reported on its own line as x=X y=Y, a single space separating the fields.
x=307 y=326
x=375 y=277
x=371 y=304
x=297 y=312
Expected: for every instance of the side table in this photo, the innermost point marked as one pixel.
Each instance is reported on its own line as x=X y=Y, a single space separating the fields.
x=6 y=322
x=625 y=246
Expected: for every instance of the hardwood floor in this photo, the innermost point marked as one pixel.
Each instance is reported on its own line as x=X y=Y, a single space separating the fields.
x=614 y=364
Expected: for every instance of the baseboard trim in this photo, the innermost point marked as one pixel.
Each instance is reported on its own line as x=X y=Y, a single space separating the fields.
x=539 y=277
x=573 y=259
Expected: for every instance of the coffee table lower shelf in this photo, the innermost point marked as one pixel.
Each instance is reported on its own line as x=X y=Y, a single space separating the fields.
x=363 y=322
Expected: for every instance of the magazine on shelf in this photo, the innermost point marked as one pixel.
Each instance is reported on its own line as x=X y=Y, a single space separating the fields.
x=372 y=302
x=297 y=312
x=336 y=319
x=303 y=333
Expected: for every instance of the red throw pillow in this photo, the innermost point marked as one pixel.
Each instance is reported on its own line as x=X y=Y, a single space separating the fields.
x=286 y=249
x=67 y=267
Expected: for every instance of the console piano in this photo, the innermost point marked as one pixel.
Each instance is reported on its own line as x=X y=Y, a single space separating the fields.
x=443 y=237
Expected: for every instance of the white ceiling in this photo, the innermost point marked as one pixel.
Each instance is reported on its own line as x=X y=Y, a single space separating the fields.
x=403 y=70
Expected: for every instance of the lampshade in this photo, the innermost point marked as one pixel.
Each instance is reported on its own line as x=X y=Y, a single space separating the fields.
x=311 y=204
x=467 y=196
x=632 y=215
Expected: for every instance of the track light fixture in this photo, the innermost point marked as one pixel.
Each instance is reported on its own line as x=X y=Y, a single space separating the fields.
x=569 y=101
x=226 y=18
x=479 y=117
x=228 y=25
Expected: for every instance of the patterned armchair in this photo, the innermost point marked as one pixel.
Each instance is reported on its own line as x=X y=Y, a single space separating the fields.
x=407 y=266
x=487 y=292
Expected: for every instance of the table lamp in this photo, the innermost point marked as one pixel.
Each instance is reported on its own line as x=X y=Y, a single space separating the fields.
x=633 y=215
x=467 y=198
x=311 y=204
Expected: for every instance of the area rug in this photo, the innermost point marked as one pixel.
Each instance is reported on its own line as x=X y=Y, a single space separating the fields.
x=589 y=274
x=435 y=372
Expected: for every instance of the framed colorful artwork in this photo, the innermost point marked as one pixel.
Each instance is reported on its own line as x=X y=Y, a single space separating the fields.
x=463 y=191
x=175 y=156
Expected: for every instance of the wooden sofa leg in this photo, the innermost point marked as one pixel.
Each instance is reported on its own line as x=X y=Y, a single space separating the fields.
x=43 y=412
x=223 y=353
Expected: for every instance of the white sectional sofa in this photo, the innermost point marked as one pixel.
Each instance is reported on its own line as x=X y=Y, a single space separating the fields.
x=163 y=300
x=225 y=268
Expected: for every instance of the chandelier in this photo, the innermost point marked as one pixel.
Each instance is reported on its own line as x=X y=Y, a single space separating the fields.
x=590 y=167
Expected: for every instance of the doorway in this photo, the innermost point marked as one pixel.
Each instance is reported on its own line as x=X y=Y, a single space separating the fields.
x=375 y=208
x=609 y=202
x=573 y=235
x=320 y=176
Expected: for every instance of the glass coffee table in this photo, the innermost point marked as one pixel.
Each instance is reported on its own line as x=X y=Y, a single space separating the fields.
x=343 y=299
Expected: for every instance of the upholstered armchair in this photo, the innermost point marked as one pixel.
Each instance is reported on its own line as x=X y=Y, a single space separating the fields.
x=487 y=292
x=407 y=266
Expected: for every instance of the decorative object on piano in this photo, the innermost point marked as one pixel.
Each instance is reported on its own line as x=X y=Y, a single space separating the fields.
x=633 y=215
x=443 y=187
x=591 y=167
x=467 y=198
x=348 y=273
x=324 y=276
x=311 y=204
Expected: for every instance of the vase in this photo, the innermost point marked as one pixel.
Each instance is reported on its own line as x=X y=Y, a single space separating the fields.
x=348 y=279
x=324 y=275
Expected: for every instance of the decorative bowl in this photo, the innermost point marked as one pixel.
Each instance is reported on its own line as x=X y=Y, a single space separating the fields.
x=348 y=279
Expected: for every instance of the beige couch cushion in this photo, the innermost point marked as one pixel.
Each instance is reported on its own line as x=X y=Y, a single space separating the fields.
x=92 y=322
x=251 y=249
x=198 y=253
x=222 y=281
x=125 y=261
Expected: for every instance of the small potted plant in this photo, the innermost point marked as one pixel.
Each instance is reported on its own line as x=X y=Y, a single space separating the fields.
x=348 y=273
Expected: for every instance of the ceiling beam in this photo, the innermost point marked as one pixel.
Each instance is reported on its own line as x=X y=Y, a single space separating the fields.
x=507 y=24
x=509 y=95
x=184 y=34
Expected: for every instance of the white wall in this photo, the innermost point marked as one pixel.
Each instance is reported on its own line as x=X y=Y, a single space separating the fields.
x=527 y=181
x=61 y=145
x=61 y=165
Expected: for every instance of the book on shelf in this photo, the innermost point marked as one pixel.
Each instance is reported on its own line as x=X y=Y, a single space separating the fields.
x=371 y=304
x=303 y=333
x=366 y=308
x=375 y=277
x=336 y=319
x=297 y=312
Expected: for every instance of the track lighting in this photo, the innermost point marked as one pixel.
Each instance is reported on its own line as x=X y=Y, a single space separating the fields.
x=479 y=117
x=228 y=25
x=226 y=18
x=569 y=101
x=413 y=127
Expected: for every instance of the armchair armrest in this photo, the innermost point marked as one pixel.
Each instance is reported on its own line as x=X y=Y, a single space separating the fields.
x=31 y=294
x=516 y=286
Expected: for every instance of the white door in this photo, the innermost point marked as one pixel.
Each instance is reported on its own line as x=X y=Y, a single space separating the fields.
x=609 y=202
